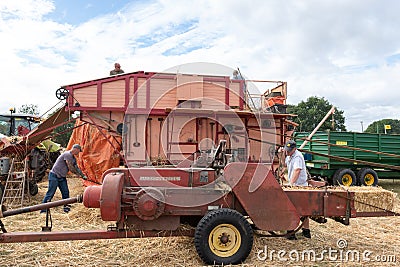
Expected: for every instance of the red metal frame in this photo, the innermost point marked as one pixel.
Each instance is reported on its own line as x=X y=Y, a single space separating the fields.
x=87 y=235
x=261 y=196
x=256 y=193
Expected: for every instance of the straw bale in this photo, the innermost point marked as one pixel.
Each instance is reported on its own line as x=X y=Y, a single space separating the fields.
x=367 y=198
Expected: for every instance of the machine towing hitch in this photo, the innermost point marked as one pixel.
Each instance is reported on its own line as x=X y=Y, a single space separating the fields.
x=44 y=206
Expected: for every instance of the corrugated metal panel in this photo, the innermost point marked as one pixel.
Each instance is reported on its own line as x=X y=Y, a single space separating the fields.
x=234 y=95
x=141 y=93
x=214 y=94
x=86 y=96
x=162 y=93
x=113 y=94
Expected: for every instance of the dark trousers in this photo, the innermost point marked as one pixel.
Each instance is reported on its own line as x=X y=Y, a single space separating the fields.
x=55 y=182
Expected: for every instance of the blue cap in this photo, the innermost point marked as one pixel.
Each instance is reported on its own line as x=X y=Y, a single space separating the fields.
x=290 y=145
x=78 y=147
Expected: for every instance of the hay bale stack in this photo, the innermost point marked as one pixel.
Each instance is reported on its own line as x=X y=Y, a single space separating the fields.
x=371 y=199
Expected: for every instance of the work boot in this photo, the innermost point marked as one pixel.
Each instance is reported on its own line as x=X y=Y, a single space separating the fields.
x=291 y=235
x=306 y=233
x=319 y=219
x=67 y=208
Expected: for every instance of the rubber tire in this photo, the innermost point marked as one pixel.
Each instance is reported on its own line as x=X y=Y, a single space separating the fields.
x=1 y=191
x=39 y=174
x=38 y=162
x=33 y=189
x=212 y=220
x=338 y=176
x=363 y=172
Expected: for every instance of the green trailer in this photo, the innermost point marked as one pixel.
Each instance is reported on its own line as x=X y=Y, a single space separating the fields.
x=350 y=158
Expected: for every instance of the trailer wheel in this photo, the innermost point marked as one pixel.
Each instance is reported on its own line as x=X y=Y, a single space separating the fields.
x=223 y=236
x=344 y=177
x=368 y=177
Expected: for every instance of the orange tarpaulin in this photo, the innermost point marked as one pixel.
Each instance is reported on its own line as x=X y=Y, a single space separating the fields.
x=98 y=152
x=271 y=101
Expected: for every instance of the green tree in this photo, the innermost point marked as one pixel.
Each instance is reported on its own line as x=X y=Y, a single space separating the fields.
x=62 y=134
x=29 y=109
x=311 y=112
x=379 y=126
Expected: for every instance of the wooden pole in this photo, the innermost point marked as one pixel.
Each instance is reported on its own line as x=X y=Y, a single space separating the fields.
x=331 y=111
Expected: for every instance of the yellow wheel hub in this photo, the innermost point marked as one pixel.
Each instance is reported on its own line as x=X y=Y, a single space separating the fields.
x=369 y=179
x=224 y=240
x=347 y=180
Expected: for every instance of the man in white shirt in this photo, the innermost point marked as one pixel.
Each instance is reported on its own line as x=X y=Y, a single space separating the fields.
x=297 y=174
x=296 y=165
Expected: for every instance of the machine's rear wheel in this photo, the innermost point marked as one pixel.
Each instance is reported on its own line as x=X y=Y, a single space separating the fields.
x=344 y=177
x=223 y=236
x=1 y=191
x=368 y=177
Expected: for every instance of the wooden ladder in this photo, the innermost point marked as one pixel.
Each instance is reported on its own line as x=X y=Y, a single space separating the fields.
x=14 y=190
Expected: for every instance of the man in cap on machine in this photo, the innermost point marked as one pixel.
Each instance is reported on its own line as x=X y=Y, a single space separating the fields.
x=297 y=175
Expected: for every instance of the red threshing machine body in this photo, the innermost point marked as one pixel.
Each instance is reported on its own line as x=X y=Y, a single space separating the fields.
x=158 y=198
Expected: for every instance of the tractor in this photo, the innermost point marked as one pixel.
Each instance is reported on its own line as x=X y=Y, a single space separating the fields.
x=14 y=127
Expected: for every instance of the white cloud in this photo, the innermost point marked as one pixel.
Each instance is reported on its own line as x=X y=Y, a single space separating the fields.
x=25 y=9
x=335 y=49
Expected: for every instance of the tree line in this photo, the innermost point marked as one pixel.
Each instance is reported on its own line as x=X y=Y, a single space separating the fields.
x=309 y=113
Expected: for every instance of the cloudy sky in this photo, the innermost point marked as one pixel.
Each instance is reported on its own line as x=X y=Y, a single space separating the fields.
x=345 y=51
